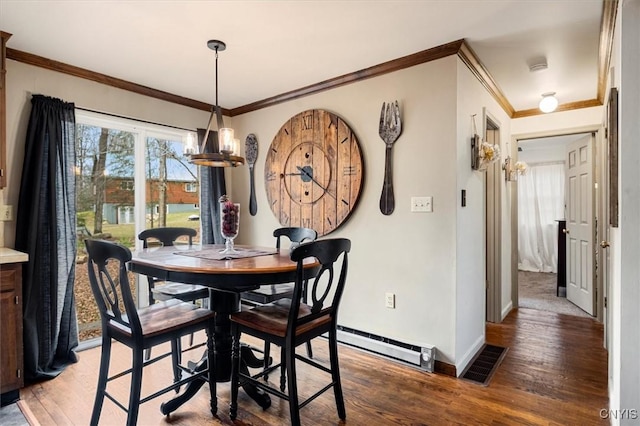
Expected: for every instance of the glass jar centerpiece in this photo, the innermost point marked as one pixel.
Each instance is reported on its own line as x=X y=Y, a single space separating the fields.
x=229 y=222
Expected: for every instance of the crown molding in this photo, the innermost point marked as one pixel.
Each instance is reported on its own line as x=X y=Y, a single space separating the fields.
x=50 y=64
x=607 y=28
x=471 y=60
x=569 y=106
x=421 y=57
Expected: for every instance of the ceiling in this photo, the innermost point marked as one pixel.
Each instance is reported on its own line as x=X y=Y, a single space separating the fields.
x=274 y=47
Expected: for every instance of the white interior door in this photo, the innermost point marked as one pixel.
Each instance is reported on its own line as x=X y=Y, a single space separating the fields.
x=580 y=283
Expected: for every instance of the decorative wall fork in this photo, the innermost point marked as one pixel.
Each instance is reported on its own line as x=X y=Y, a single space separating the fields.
x=251 y=152
x=389 y=131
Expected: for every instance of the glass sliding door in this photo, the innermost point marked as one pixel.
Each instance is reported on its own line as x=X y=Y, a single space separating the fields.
x=129 y=176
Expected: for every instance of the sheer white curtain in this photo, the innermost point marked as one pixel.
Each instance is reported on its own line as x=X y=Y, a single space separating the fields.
x=540 y=205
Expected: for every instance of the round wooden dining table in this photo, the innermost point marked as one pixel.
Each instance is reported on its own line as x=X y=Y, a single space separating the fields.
x=226 y=278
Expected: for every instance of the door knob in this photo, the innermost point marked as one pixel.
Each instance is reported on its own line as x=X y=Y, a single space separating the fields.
x=565 y=231
x=604 y=244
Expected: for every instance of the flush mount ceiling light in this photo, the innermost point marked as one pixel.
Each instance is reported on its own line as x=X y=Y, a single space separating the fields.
x=549 y=102
x=228 y=152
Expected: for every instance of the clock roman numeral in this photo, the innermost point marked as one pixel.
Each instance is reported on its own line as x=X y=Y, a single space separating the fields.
x=333 y=121
x=285 y=219
x=271 y=176
x=349 y=170
x=306 y=222
x=345 y=201
x=307 y=122
x=329 y=220
x=344 y=140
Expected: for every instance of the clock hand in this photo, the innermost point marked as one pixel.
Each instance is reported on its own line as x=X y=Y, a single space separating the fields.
x=310 y=176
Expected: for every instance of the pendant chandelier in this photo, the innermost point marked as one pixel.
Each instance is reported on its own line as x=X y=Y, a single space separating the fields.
x=228 y=153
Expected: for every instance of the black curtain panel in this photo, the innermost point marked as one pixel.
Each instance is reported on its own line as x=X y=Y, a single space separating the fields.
x=212 y=187
x=46 y=231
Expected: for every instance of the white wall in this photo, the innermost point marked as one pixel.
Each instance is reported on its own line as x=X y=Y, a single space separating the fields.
x=532 y=154
x=434 y=263
x=470 y=237
x=409 y=254
x=550 y=123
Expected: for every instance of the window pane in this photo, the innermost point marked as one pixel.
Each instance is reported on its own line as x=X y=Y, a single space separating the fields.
x=172 y=186
x=104 y=201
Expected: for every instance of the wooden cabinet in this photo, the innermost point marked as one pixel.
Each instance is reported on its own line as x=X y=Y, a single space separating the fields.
x=12 y=367
x=3 y=109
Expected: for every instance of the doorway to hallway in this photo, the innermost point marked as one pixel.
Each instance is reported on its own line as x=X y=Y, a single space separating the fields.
x=551 y=193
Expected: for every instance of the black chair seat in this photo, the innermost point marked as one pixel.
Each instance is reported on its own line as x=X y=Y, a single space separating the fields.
x=268 y=293
x=184 y=292
x=272 y=319
x=163 y=317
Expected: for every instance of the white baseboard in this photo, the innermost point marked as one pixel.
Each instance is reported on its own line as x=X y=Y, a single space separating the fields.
x=471 y=353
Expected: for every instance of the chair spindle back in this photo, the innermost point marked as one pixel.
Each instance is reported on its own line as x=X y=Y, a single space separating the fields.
x=326 y=288
x=110 y=284
x=166 y=236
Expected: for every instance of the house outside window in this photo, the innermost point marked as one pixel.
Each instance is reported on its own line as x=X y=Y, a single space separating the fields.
x=191 y=187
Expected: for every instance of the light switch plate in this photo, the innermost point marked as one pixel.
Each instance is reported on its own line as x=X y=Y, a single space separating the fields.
x=390 y=300
x=422 y=204
x=6 y=213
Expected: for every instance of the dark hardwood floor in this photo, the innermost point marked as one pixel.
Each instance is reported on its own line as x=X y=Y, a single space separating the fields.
x=555 y=373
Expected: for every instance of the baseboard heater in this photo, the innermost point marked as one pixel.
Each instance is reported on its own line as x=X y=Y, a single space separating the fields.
x=419 y=356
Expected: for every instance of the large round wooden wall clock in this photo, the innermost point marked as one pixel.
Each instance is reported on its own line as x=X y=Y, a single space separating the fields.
x=314 y=171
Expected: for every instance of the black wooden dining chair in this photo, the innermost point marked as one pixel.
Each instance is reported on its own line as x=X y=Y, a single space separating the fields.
x=141 y=329
x=290 y=322
x=161 y=290
x=158 y=289
x=269 y=293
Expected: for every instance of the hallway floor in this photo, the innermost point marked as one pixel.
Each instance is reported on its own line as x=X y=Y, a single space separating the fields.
x=537 y=290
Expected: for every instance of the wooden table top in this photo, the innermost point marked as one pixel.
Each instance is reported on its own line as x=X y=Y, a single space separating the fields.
x=181 y=264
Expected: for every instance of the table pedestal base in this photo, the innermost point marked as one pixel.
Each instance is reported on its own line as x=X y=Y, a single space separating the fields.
x=223 y=303
x=248 y=359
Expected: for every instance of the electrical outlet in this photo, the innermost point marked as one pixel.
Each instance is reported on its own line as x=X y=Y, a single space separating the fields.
x=390 y=300
x=6 y=213
x=422 y=204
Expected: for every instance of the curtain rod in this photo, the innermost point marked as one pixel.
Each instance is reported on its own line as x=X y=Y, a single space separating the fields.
x=134 y=119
